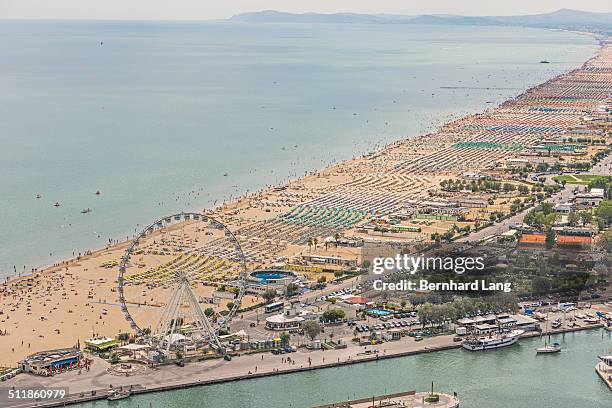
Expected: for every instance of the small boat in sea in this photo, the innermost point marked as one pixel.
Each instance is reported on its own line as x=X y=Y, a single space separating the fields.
x=225 y=174
x=492 y=341
x=38 y=196
x=544 y=62
x=549 y=348
x=86 y=211
x=117 y=395
x=98 y=192
x=57 y=204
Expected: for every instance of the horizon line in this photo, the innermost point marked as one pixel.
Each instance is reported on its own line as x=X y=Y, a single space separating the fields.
x=302 y=13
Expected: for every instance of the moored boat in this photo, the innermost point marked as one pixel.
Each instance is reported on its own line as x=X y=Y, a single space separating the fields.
x=549 y=348
x=492 y=341
x=117 y=395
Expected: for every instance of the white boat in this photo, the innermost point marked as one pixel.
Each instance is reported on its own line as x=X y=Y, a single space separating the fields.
x=549 y=348
x=556 y=324
x=591 y=320
x=117 y=395
x=492 y=341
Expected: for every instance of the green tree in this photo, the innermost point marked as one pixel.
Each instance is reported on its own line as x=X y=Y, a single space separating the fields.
x=573 y=218
x=586 y=217
x=550 y=238
x=604 y=212
x=333 y=315
x=284 y=337
x=540 y=284
x=114 y=358
x=269 y=295
x=337 y=237
x=606 y=241
x=311 y=329
x=291 y=289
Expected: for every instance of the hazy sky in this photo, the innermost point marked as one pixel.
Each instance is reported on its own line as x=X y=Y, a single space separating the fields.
x=216 y=9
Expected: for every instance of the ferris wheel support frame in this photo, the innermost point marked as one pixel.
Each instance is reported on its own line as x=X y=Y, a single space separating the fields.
x=199 y=314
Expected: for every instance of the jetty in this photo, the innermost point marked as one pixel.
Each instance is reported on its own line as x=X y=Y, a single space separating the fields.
x=604 y=370
x=410 y=399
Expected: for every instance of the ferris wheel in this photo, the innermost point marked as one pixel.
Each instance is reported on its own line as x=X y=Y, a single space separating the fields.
x=181 y=281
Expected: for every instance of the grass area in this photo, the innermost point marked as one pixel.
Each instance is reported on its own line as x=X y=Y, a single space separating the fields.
x=583 y=179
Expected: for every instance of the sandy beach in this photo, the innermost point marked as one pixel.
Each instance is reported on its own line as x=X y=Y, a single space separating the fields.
x=72 y=301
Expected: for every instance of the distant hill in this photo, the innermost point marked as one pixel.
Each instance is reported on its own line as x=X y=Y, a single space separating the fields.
x=271 y=16
x=563 y=19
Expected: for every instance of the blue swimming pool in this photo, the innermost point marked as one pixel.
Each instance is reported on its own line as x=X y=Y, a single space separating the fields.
x=269 y=275
x=379 y=312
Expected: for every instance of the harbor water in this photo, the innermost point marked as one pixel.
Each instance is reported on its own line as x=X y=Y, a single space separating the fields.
x=510 y=377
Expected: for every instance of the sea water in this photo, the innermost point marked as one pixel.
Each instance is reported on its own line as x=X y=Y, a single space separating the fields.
x=162 y=117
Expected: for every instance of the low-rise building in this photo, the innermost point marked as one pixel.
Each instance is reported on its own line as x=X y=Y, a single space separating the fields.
x=291 y=319
x=485 y=328
x=565 y=208
x=52 y=361
x=591 y=199
x=329 y=260
x=101 y=344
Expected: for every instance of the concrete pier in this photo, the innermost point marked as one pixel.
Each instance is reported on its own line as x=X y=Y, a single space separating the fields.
x=604 y=370
x=410 y=399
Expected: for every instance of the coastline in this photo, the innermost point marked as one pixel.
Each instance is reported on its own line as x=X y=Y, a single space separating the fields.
x=60 y=261
x=139 y=389
x=95 y=252
x=167 y=378
x=315 y=183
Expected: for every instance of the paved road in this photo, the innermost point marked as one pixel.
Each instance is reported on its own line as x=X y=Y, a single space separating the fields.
x=604 y=167
x=498 y=228
x=258 y=317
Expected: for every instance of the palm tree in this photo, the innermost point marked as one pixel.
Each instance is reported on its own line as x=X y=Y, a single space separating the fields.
x=337 y=238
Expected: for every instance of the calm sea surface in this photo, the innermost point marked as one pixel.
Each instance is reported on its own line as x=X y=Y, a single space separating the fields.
x=505 y=378
x=153 y=114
